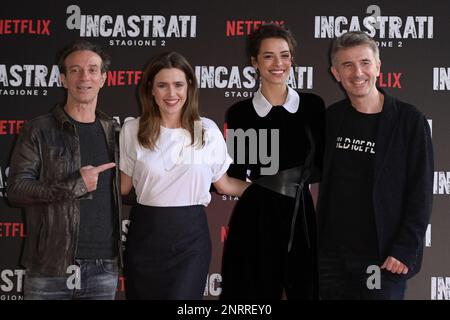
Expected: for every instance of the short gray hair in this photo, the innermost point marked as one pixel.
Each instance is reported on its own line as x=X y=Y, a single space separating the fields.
x=352 y=39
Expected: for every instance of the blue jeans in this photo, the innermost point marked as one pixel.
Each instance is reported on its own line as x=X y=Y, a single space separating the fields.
x=344 y=277
x=96 y=279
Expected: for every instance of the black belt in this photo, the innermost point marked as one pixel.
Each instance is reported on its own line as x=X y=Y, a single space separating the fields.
x=285 y=182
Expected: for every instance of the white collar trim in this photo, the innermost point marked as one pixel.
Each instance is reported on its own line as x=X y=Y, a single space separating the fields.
x=263 y=107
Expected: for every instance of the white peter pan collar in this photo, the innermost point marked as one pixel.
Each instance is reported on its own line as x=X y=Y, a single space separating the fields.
x=263 y=107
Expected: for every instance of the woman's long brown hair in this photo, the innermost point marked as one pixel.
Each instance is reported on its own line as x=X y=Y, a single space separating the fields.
x=150 y=121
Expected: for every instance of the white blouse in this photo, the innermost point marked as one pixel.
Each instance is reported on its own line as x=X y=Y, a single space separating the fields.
x=175 y=173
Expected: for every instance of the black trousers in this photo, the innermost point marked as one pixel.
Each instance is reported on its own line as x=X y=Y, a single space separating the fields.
x=167 y=255
x=343 y=276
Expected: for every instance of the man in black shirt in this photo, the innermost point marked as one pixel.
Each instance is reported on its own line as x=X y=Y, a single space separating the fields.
x=61 y=174
x=376 y=193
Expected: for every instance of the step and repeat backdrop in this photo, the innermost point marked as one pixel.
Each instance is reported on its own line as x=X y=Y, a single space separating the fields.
x=414 y=41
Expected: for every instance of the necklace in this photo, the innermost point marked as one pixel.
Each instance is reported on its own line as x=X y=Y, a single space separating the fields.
x=173 y=139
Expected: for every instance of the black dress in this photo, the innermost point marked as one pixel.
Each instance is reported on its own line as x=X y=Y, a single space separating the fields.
x=257 y=263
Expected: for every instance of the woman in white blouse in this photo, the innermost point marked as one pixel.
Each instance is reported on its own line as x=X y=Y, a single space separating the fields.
x=171 y=156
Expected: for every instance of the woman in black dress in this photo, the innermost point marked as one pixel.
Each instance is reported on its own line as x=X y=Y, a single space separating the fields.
x=270 y=251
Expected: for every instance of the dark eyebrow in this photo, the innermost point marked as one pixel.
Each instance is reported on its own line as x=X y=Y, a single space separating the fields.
x=271 y=52
x=78 y=66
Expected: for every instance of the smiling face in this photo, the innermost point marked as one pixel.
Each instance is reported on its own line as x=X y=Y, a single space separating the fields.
x=83 y=78
x=357 y=69
x=273 y=61
x=169 y=90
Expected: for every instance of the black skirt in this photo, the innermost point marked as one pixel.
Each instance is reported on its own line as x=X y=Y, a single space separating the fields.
x=168 y=251
x=256 y=262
